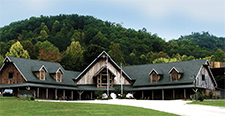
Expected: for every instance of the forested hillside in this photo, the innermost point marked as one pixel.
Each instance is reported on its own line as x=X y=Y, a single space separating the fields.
x=204 y=39
x=75 y=40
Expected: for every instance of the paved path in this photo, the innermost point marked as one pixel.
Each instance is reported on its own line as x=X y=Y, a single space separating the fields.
x=172 y=106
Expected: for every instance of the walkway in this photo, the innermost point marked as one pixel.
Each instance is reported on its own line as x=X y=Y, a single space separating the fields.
x=172 y=106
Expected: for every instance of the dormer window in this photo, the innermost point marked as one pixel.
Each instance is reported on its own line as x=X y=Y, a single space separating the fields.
x=154 y=76
x=175 y=74
x=59 y=76
x=39 y=71
x=56 y=73
x=42 y=74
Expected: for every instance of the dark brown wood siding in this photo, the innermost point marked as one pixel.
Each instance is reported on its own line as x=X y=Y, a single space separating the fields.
x=16 y=76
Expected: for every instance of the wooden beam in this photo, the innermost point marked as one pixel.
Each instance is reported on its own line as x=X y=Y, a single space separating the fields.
x=38 y=92
x=153 y=95
x=56 y=97
x=80 y=93
x=18 y=92
x=91 y=95
x=46 y=93
x=185 y=93
x=64 y=91
x=142 y=95
x=162 y=94
x=71 y=94
x=174 y=97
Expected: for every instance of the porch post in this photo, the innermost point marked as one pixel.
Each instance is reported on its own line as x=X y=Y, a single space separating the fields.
x=142 y=95
x=162 y=94
x=18 y=90
x=38 y=92
x=80 y=93
x=56 y=97
x=91 y=95
x=152 y=95
x=64 y=94
x=46 y=93
x=173 y=94
x=71 y=94
x=185 y=93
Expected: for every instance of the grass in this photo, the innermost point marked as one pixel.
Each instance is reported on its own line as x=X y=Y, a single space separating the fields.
x=219 y=102
x=14 y=106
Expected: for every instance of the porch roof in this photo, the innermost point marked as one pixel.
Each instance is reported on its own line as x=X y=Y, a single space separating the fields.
x=37 y=85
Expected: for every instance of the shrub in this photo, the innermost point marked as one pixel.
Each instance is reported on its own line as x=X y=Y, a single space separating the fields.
x=201 y=96
x=32 y=98
x=98 y=94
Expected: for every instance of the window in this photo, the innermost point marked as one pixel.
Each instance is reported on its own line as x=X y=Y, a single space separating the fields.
x=10 y=75
x=203 y=77
x=58 y=76
x=174 y=76
x=102 y=79
x=42 y=75
x=154 y=77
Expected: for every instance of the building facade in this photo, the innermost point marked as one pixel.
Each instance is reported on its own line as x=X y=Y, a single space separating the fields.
x=50 y=80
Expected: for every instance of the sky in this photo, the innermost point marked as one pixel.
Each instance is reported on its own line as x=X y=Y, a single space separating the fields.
x=169 y=19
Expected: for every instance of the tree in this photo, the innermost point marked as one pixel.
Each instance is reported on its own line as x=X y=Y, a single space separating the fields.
x=92 y=52
x=115 y=53
x=48 y=46
x=55 y=27
x=32 y=49
x=1 y=60
x=17 y=50
x=218 y=56
x=160 y=60
x=100 y=39
x=73 y=58
x=51 y=56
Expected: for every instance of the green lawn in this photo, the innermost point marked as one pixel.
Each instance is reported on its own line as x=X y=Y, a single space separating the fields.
x=15 y=106
x=219 y=102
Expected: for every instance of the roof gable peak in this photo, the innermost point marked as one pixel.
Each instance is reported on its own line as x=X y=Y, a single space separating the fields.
x=178 y=70
x=156 y=71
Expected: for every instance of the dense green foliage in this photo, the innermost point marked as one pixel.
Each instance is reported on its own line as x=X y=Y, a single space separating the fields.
x=54 y=34
x=19 y=107
x=204 y=39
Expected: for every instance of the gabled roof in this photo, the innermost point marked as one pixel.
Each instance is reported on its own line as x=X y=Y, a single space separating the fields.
x=101 y=69
x=141 y=72
x=27 y=66
x=178 y=69
x=96 y=60
x=37 y=68
x=55 y=70
x=157 y=71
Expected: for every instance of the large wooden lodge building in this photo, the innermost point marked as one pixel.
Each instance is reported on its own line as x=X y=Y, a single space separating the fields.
x=50 y=80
